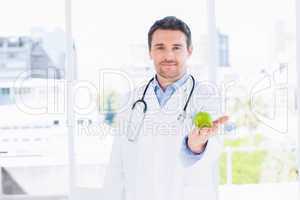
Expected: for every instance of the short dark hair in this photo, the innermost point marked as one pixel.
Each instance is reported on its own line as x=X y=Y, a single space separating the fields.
x=170 y=23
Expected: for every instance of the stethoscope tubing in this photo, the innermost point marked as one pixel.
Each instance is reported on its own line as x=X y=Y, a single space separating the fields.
x=142 y=100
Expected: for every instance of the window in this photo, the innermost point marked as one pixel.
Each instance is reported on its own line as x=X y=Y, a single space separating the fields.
x=223 y=50
x=260 y=154
x=33 y=146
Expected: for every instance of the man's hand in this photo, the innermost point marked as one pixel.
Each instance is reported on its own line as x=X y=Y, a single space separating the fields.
x=198 y=138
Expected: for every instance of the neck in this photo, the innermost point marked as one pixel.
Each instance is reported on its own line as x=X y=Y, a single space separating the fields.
x=165 y=82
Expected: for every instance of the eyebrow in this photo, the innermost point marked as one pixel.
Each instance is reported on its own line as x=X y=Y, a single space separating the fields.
x=176 y=45
x=159 y=44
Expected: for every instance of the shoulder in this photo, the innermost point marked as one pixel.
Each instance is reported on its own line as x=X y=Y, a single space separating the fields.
x=206 y=97
x=206 y=88
x=127 y=99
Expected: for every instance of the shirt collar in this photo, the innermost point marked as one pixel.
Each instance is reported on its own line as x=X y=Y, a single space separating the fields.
x=174 y=85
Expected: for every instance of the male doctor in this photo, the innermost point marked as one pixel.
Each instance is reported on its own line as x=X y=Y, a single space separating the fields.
x=169 y=159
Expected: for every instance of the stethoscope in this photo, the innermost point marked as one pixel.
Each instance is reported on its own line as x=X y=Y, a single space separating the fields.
x=141 y=106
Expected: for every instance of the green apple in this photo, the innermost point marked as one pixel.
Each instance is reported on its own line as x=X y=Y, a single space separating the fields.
x=203 y=120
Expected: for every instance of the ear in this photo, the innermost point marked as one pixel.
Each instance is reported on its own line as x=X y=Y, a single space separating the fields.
x=150 y=55
x=190 y=50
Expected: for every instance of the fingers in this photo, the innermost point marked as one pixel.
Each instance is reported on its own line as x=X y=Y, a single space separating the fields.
x=221 y=120
x=213 y=130
x=207 y=131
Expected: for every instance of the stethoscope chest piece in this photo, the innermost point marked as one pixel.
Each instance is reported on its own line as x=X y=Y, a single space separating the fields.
x=181 y=117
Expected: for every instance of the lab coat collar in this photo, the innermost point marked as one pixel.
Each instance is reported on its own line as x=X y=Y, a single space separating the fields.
x=177 y=84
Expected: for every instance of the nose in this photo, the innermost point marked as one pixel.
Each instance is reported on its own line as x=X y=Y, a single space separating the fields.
x=169 y=55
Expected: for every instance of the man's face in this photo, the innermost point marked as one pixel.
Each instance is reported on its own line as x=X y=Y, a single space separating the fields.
x=169 y=53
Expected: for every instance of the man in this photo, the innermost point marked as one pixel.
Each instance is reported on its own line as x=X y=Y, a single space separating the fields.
x=169 y=160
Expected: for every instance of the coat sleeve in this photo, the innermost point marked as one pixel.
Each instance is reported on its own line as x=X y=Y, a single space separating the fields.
x=208 y=99
x=201 y=177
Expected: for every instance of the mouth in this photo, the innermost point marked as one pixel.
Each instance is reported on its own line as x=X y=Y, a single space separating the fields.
x=168 y=64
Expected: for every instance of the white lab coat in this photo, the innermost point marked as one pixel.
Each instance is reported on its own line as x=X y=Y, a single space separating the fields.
x=152 y=168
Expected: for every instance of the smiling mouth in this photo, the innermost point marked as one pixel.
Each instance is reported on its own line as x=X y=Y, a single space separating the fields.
x=168 y=64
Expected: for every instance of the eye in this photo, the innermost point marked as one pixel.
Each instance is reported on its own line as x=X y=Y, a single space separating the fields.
x=177 y=48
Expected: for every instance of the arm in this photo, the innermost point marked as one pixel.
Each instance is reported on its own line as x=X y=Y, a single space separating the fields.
x=189 y=157
x=195 y=144
x=198 y=138
x=205 y=151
